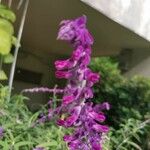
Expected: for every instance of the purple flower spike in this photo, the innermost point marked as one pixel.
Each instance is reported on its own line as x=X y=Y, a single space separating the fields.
x=80 y=113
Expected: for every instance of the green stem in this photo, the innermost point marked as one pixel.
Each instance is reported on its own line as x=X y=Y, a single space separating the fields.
x=1 y=62
x=12 y=71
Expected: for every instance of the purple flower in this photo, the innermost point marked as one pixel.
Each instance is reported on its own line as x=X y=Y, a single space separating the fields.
x=77 y=54
x=100 y=128
x=50 y=114
x=93 y=77
x=63 y=74
x=68 y=99
x=103 y=106
x=96 y=116
x=1 y=132
x=68 y=138
x=96 y=146
x=86 y=60
x=74 y=145
x=88 y=93
x=62 y=64
x=61 y=122
x=75 y=32
x=69 y=121
x=106 y=106
x=42 y=119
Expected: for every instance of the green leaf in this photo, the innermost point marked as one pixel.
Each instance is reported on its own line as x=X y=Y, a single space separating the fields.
x=8 y=58
x=23 y=143
x=5 y=42
x=11 y=136
x=4 y=144
x=134 y=145
x=3 y=76
x=123 y=148
x=7 y=14
x=14 y=41
x=32 y=119
x=136 y=136
x=6 y=26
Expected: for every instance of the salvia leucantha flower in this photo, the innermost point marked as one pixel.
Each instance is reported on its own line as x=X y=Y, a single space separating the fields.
x=77 y=107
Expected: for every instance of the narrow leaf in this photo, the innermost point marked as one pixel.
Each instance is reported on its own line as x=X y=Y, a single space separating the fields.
x=3 y=76
x=8 y=58
x=134 y=145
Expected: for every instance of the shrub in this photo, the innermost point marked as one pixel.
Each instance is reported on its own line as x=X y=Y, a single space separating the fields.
x=19 y=132
x=129 y=99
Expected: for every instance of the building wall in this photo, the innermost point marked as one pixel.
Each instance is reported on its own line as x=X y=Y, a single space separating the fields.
x=139 y=63
x=39 y=62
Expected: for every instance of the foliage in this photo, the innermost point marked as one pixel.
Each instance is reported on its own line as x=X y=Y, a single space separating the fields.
x=7 y=18
x=127 y=133
x=19 y=132
x=128 y=136
x=122 y=93
x=129 y=100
